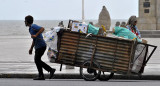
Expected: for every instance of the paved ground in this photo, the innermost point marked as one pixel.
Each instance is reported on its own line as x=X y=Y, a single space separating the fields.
x=76 y=82
x=14 y=58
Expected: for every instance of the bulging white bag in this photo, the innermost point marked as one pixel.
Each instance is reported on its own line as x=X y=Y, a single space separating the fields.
x=50 y=38
x=138 y=58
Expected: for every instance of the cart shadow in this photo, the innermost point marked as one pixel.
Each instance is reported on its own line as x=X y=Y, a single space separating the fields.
x=98 y=80
x=65 y=80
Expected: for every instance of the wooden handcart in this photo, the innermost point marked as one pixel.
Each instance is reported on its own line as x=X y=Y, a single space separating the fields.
x=96 y=55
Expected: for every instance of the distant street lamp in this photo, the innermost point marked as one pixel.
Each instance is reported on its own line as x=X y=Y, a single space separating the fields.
x=83 y=11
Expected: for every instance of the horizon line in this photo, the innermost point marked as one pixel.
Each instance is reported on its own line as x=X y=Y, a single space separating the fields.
x=58 y=19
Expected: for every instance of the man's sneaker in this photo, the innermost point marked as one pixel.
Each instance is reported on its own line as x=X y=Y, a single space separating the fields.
x=52 y=73
x=39 y=78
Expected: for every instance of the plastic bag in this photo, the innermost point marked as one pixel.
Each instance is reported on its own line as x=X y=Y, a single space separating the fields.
x=50 y=38
x=52 y=55
x=92 y=29
x=139 y=58
x=126 y=33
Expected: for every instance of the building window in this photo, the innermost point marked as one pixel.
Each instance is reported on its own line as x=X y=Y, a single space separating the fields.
x=146 y=4
x=146 y=10
x=146 y=0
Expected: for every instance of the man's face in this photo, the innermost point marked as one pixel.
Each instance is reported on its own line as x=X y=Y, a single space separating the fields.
x=26 y=23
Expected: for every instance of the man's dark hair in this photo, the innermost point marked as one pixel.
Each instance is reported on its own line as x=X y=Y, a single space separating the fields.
x=29 y=19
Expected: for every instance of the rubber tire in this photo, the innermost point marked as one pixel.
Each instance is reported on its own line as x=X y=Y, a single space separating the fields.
x=104 y=77
x=96 y=75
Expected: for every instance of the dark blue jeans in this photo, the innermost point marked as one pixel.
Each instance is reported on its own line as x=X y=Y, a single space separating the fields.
x=39 y=63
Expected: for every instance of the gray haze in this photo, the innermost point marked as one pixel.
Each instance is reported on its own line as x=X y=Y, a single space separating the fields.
x=65 y=9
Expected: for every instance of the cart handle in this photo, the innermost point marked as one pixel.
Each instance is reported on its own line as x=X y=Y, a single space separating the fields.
x=148 y=45
x=145 y=61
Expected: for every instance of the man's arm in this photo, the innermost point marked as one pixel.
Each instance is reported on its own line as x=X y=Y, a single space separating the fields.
x=39 y=32
x=31 y=48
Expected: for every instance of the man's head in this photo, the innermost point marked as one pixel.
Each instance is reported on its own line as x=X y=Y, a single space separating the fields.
x=29 y=20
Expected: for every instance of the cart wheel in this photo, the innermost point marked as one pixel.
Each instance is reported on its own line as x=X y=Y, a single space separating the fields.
x=105 y=76
x=88 y=73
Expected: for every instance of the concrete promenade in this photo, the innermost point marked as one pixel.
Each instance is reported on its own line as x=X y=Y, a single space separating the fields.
x=16 y=63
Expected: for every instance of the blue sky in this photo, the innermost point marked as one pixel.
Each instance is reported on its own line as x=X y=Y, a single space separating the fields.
x=65 y=9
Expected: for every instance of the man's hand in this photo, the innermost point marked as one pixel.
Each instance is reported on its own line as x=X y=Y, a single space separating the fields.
x=30 y=51
x=33 y=36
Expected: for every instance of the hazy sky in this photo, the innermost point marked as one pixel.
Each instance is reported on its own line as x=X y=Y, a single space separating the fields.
x=65 y=9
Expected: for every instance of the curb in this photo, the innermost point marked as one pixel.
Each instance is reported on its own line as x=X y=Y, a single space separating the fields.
x=56 y=76
x=77 y=76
